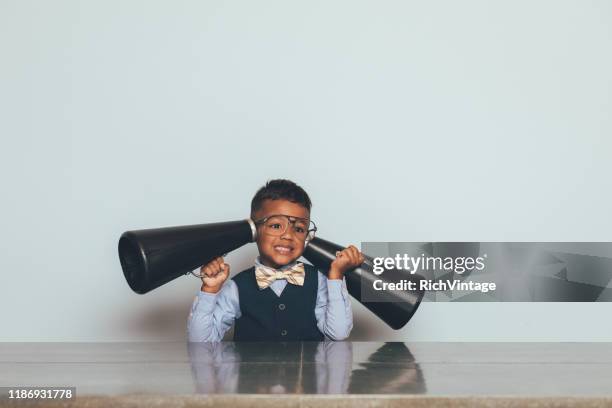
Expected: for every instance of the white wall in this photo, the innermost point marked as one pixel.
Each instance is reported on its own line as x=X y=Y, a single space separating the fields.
x=404 y=120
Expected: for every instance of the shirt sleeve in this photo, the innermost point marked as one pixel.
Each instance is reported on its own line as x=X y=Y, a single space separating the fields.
x=333 y=308
x=212 y=314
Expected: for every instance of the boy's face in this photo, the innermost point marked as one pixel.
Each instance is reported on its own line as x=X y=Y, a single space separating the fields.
x=277 y=251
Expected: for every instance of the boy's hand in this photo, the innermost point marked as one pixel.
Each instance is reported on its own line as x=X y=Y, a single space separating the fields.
x=214 y=274
x=346 y=259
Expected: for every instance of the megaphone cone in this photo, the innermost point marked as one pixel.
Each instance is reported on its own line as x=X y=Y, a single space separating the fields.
x=152 y=257
x=395 y=308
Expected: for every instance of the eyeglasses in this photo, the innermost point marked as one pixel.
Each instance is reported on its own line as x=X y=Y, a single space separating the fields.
x=276 y=225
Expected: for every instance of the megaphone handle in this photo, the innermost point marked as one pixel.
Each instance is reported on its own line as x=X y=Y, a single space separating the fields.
x=197 y=276
x=200 y=275
x=367 y=260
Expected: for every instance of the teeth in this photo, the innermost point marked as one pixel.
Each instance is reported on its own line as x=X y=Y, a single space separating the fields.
x=282 y=249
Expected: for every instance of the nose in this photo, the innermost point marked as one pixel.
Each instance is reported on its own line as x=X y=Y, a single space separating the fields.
x=289 y=233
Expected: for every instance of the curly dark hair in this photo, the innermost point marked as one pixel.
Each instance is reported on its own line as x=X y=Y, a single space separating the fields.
x=280 y=189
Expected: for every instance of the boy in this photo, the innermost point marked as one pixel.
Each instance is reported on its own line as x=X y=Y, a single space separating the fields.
x=279 y=299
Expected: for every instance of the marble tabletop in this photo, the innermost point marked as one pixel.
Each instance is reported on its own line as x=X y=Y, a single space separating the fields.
x=571 y=370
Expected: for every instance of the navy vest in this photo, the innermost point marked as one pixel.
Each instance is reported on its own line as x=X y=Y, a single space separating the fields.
x=267 y=317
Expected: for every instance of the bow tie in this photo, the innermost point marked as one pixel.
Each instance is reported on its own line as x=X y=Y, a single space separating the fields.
x=266 y=275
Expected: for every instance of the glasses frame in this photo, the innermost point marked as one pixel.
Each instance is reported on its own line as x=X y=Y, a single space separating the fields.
x=310 y=233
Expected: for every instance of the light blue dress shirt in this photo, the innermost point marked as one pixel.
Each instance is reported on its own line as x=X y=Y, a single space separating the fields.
x=212 y=314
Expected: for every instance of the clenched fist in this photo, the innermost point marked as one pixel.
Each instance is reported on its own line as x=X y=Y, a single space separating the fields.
x=346 y=260
x=214 y=274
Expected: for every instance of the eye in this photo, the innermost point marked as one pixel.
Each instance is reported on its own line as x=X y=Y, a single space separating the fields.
x=275 y=226
x=299 y=230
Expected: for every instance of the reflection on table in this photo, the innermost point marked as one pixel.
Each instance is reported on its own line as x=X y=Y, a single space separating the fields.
x=302 y=368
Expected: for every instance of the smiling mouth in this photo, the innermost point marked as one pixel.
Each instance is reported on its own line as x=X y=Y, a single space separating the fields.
x=283 y=250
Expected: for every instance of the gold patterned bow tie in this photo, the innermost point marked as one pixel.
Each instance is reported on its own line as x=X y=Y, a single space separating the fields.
x=265 y=275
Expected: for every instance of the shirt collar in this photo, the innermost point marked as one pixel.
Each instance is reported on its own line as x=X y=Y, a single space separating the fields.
x=258 y=264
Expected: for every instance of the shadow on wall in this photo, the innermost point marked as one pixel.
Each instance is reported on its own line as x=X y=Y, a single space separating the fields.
x=162 y=314
x=159 y=321
x=166 y=320
x=368 y=327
